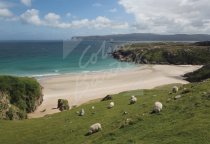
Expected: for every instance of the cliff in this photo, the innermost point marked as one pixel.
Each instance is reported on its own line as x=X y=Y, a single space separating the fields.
x=18 y=96
x=164 y=53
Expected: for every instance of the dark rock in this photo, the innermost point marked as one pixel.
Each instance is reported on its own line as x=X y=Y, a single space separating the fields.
x=63 y=104
x=108 y=97
x=185 y=91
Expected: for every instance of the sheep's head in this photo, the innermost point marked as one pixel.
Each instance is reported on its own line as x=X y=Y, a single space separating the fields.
x=132 y=97
x=90 y=132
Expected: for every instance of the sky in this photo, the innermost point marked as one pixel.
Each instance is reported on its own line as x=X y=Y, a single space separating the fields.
x=62 y=19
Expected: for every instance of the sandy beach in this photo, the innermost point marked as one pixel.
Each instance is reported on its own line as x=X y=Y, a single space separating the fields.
x=81 y=88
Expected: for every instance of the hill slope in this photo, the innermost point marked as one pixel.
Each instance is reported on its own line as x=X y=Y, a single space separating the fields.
x=185 y=120
x=199 y=75
x=18 y=96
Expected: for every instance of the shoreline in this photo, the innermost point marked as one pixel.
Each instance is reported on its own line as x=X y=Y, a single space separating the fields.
x=84 y=87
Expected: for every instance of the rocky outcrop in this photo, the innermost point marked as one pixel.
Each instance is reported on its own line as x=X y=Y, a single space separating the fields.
x=198 y=75
x=9 y=111
x=38 y=100
x=164 y=53
x=19 y=96
x=106 y=98
x=63 y=104
x=4 y=105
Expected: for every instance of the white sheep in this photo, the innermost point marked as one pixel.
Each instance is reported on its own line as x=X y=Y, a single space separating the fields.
x=133 y=100
x=175 y=89
x=157 y=107
x=82 y=112
x=111 y=105
x=93 y=107
x=94 y=128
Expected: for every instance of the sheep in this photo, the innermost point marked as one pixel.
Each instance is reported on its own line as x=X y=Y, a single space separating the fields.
x=94 y=128
x=133 y=100
x=82 y=112
x=125 y=113
x=111 y=105
x=175 y=89
x=93 y=107
x=157 y=107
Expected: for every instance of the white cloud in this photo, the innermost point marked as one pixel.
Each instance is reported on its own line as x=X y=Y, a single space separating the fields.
x=54 y=20
x=4 y=12
x=52 y=17
x=166 y=16
x=26 y=2
x=97 y=5
x=31 y=17
x=113 y=10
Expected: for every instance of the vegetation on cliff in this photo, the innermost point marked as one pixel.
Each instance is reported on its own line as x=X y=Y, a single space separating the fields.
x=164 y=53
x=18 y=96
x=199 y=75
x=182 y=120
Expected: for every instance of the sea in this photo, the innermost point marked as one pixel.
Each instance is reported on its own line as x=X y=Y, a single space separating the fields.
x=50 y=58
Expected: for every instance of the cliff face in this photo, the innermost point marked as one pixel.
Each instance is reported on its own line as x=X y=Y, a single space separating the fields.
x=4 y=105
x=18 y=96
x=164 y=53
x=199 y=75
x=9 y=111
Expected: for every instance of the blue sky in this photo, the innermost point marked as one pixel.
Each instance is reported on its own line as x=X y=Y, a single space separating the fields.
x=62 y=19
x=68 y=11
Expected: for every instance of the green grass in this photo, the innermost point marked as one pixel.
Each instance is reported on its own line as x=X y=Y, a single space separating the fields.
x=182 y=121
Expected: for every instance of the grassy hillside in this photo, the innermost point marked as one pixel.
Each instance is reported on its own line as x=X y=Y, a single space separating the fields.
x=164 y=53
x=199 y=75
x=182 y=121
x=18 y=96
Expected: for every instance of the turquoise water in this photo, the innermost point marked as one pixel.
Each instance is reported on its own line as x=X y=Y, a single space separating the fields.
x=45 y=58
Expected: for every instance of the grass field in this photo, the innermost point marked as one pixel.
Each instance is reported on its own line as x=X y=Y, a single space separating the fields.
x=182 y=121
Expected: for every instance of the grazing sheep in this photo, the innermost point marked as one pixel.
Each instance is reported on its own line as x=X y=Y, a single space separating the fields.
x=157 y=107
x=94 y=128
x=111 y=105
x=175 y=89
x=133 y=100
x=82 y=112
x=125 y=113
x=177 y=97
x=93 y=107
